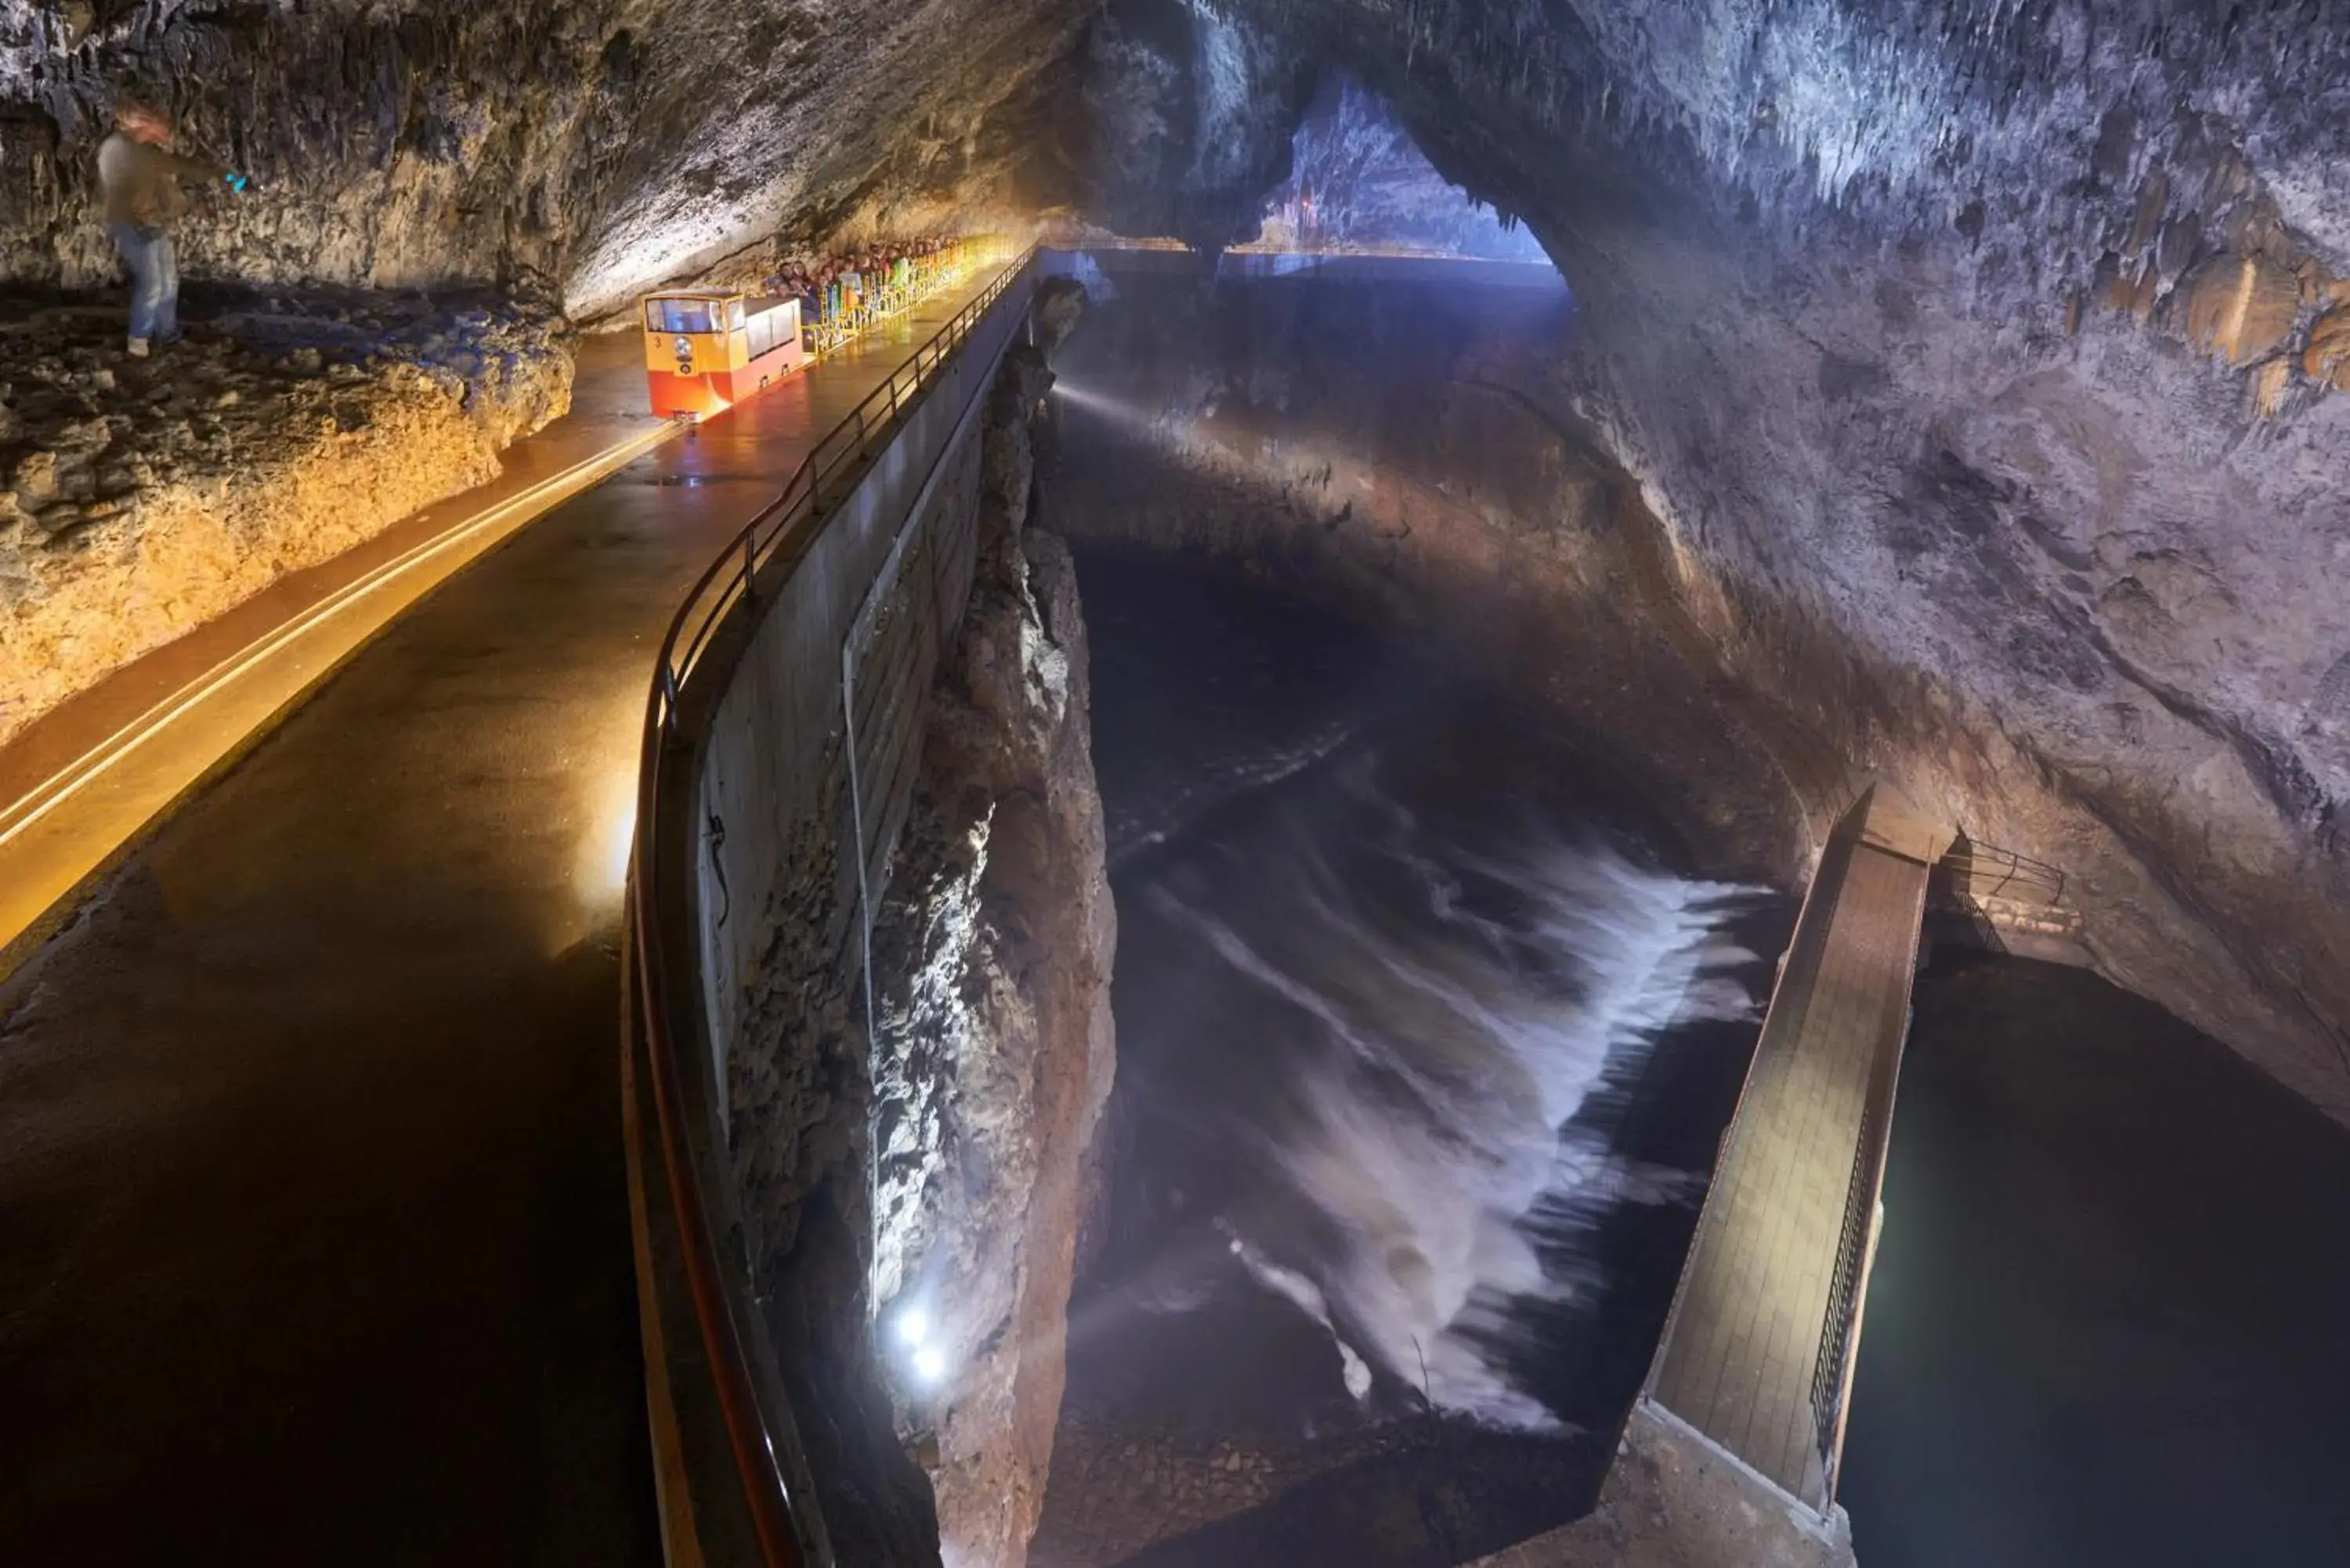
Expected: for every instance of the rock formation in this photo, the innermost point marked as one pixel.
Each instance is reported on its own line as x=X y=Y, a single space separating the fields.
x=595 y=148
x=140 y=498
x=1401 y=451
x=1977 y=366
x=995 y=1053
x=1183 y=122
x=917 y=1285
x=1359 y=182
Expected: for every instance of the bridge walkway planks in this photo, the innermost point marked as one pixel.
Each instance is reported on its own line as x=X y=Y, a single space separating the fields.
x=1756 y=1352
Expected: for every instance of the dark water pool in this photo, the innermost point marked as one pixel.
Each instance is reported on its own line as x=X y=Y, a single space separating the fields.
x=2109 y=1325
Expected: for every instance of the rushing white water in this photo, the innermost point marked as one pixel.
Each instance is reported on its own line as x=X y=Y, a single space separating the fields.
x=1437 y=1005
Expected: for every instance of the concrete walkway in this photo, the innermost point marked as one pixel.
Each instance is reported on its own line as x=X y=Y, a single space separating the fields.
x=91 y=776
x=314 y=1244
x=1755 y=1355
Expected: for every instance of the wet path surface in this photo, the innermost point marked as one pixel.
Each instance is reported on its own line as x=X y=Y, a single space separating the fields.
x=314 y=1243
x=97 y=771
x=2106 y=1327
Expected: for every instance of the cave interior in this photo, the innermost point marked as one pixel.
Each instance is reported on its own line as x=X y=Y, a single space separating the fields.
x=1948 y=390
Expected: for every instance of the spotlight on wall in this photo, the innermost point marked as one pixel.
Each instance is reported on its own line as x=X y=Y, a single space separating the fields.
x=925 y=1358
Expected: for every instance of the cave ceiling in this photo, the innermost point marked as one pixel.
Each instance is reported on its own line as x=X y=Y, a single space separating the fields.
x=587 y=147
x=597 y=145
x=2008 y=338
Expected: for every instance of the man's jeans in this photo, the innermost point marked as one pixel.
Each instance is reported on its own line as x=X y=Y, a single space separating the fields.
x=154 y=280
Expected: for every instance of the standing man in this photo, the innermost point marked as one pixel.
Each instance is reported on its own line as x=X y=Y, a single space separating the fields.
x=140 y=176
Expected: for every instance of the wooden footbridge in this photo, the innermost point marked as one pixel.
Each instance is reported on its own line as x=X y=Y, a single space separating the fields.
x=1758 y=1353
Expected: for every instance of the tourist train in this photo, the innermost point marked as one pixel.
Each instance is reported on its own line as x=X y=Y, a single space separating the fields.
x=707 y=349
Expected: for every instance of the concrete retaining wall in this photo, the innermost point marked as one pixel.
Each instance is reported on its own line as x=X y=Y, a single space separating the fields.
x=770 y=780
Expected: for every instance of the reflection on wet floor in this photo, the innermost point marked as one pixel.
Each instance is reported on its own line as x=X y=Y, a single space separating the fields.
x=314 y=1240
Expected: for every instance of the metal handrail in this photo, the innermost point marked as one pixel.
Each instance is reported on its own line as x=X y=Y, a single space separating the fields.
x=781 y=531
x=2017 y=871
x=1831 y=1366
x=846 y=444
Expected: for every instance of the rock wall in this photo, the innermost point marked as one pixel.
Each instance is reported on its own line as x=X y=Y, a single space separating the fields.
x=140 y=498
x=589 y=149
x=1396 y=450
x=1177 y=122
x=1850 y=320
x=996 y=1048
x=1415 y=450
x=951 y=1234
x=1978 y=365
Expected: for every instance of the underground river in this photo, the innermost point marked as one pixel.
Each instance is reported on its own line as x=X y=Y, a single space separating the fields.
x=2106 y=1325
x=1428 y=1023
x=1427 y=1026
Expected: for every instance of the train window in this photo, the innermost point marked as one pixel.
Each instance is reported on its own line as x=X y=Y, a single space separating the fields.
x=734 y=314
x=678 y=315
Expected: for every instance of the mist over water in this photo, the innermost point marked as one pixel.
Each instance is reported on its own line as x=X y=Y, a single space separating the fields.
x=1393 y=968
x=1419 y=1010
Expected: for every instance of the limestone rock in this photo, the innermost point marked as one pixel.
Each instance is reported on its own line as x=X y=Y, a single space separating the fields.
x=1022 y=982
x=2240 y=307
x=2328 y=357
x=148 y=519
x=2268 y=384
x=594 y=146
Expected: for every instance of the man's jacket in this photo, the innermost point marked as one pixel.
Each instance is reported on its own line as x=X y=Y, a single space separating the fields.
x=142 y=182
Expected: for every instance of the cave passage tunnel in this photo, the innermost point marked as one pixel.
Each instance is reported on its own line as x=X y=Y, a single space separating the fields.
x=1117 y=783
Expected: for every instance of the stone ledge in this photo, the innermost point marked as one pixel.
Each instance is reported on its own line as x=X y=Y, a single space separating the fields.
x=1674 y=1499
x=142 y=498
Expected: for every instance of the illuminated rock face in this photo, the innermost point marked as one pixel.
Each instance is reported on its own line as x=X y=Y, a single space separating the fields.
x=1358 y=182
x=1978 y=370
x=1181 y=121
x=996 y=1054
x=139 y=499
x=590 y=148
x=995 y=1050
x=920 y=1333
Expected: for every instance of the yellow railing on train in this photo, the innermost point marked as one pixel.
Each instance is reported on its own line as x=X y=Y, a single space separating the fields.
x=925 y=277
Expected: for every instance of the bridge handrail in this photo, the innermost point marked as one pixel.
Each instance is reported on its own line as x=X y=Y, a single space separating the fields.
x=778 y=537
x=2016 y=873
